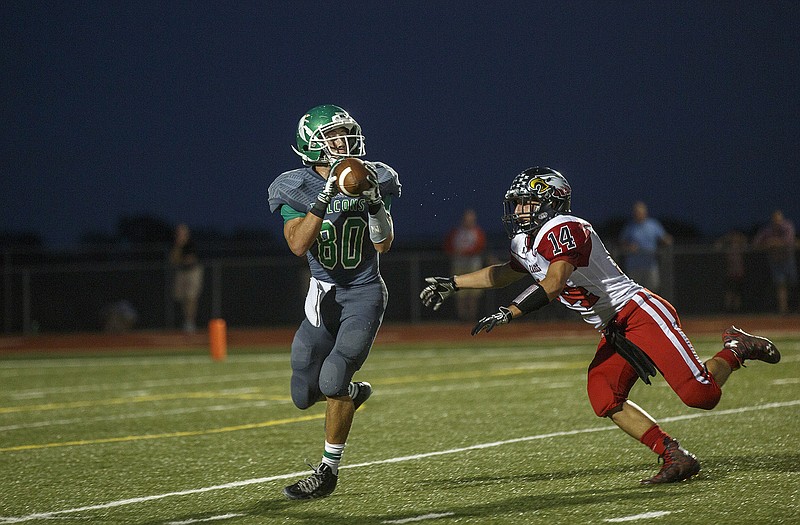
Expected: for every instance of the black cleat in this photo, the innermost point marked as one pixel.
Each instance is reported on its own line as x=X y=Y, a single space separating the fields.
x=679 y=464
x=318 y=485
x=747 y=346
x=360 y=392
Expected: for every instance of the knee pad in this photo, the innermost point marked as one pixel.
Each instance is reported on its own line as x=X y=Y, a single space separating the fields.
x=606 y=406
x=335 y=376
x=697 y=395
x=304 y=394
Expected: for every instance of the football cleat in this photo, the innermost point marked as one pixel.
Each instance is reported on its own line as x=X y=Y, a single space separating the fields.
x=746 y=346
x=678 y=464
x=318 y=485
x=360 y=392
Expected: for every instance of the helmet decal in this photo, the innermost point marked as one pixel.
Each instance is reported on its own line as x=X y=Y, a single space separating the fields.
x=303 y=131
x=539 y=187
x=342 y=117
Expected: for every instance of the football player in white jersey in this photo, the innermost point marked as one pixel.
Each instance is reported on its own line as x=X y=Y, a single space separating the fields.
x=641 y=333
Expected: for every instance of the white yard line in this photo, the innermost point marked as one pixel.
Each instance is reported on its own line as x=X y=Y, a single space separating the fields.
x=400 y=459
x=34 y=365
x=643 y=516
x=421 y=518
x=138 y=386
x=204 y=520
x=140 y=415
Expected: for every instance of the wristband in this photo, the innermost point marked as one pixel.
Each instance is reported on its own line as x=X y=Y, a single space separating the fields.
x=453 y=283
x=319 y=209
x=533 y=298
x=379 y=227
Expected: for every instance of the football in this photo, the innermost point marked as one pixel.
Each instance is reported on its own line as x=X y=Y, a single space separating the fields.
x=351 y=176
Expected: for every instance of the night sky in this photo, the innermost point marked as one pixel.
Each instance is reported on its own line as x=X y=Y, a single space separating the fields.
x=187 y=110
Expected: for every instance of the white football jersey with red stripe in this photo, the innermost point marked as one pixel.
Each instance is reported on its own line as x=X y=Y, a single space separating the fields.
x=597 y=289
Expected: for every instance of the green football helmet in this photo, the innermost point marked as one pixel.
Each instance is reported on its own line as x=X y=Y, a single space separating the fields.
x=313 y=143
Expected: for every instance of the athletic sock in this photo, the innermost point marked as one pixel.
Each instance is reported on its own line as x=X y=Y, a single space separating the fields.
x=333 y=456
x=730 y=357
x=654 y=439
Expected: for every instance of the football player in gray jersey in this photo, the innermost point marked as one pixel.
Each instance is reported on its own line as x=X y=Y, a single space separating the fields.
x=342 y=238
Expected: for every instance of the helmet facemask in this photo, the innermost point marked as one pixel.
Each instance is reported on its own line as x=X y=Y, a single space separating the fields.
x=525 y=214
x=325 y=141
x=319 y=131
x=536 y=196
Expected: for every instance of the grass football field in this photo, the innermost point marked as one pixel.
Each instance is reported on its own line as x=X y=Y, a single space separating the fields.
x=482 y=432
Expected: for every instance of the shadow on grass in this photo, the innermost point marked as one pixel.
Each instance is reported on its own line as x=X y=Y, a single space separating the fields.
x=721 y=467
x=316 y=514
x=715 y=469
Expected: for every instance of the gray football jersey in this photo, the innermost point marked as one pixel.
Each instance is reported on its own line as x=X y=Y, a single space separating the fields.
x=343 y=254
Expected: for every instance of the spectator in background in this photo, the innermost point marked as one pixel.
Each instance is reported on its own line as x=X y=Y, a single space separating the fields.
x=640 y=240
x=119 y=316
x=188 y=276
x=465 y=245
x=733 y=244
x=778 y=239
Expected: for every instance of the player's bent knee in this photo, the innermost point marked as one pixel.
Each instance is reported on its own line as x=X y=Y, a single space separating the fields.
x=334 y=388
x=335 y=376
x=604 y=403
x=302 y=401
x=303 y=396
x=602 y=398
x=702 y=398
x=606 y=409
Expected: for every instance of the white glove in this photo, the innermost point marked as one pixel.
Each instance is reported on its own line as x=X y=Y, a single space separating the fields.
x=504 y=316
x=373 y=193
x=331 y=189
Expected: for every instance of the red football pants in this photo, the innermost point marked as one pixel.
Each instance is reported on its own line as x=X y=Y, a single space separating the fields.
x=651 y=323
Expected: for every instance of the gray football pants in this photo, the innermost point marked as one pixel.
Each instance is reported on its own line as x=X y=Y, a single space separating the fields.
x=325 y=358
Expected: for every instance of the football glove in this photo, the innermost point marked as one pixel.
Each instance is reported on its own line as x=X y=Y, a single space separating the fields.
x=490 y=321
x=330 y=190
x=439 y=289
x=373 y=193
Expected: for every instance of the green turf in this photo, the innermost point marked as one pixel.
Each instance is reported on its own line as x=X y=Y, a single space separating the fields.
x=176 y=438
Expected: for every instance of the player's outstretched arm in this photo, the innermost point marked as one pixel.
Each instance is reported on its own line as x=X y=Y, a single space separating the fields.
x=503 y=316
x=531 y=299
x=440 y=288
x=494 y=276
